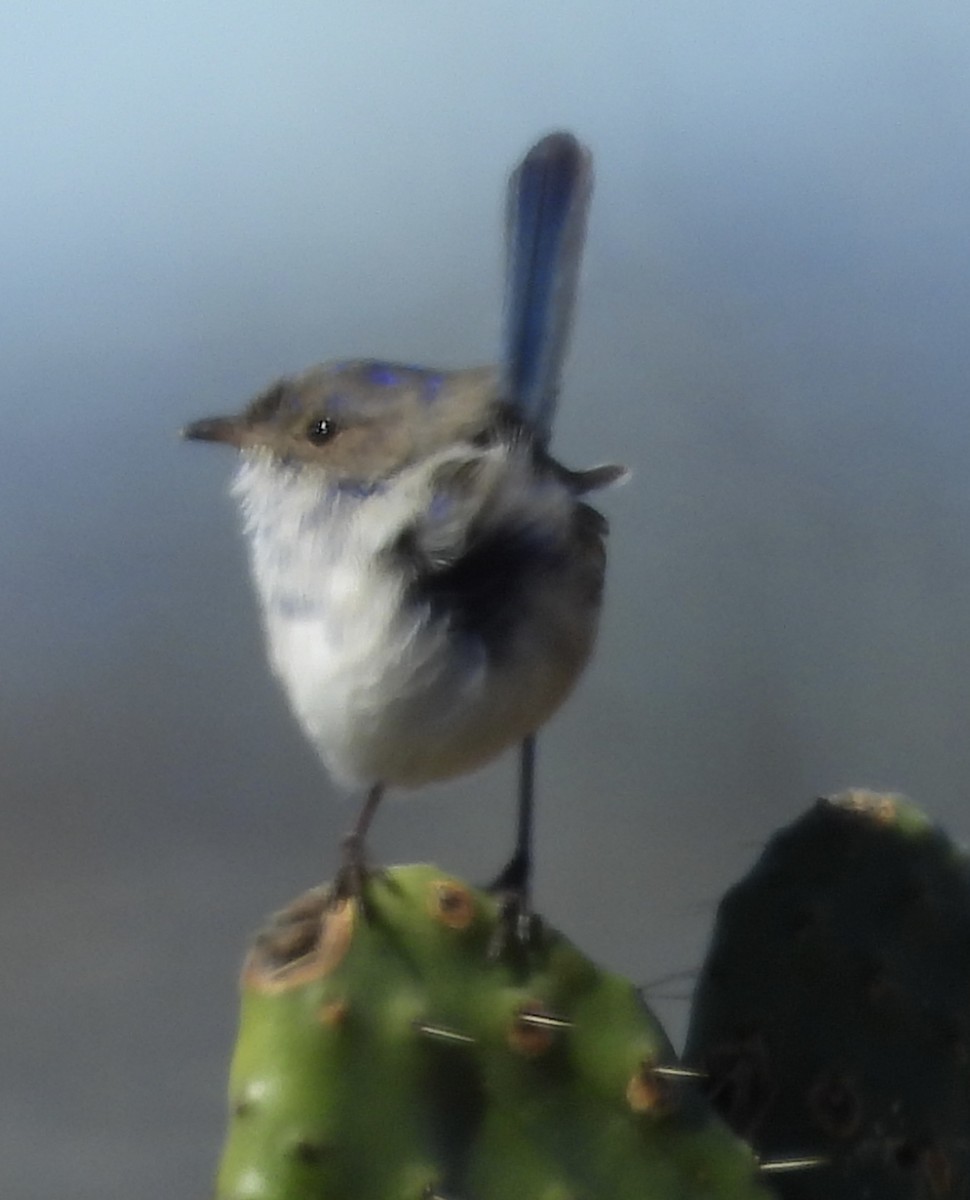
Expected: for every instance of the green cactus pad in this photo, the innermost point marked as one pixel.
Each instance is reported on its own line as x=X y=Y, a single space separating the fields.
x=392 y=1058
x=833 y=1013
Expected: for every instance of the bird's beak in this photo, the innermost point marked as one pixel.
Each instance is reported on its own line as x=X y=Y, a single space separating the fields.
x=214 y=429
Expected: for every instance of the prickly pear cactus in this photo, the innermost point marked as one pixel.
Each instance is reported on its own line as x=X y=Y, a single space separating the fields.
x=833 y=1013
x=392 y=1058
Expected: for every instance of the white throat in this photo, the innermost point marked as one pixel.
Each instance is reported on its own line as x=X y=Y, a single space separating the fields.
x=351 y=654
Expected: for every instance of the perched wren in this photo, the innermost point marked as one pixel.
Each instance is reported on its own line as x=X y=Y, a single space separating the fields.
x=430 y=578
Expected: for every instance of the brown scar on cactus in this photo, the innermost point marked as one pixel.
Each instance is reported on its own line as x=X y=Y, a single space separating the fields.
x=451 y=903
x=648 y=1092
x=304 y=941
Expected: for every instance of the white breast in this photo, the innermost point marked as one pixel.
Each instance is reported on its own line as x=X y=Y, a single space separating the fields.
x=385 y=693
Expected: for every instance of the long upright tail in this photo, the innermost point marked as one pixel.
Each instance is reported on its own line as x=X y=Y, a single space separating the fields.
x=548 y=201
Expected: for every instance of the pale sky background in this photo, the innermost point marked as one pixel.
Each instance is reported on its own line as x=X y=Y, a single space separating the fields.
x=772 y=333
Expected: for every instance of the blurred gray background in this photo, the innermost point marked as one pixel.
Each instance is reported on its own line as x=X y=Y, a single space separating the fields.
x=773 y=333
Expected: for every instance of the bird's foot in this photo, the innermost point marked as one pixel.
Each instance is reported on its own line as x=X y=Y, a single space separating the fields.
x=517 y=929
x=518 y=926
x=354 y=875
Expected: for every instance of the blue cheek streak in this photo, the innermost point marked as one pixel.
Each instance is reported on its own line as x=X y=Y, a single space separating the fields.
x=383 y=375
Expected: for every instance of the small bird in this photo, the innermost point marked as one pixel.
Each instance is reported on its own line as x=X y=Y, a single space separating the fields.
x=429 y=575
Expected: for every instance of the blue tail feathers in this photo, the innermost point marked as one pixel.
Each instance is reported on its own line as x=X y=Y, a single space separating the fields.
x=548 y=200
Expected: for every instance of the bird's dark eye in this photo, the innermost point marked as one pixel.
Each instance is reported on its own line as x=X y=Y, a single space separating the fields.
x=320 y=430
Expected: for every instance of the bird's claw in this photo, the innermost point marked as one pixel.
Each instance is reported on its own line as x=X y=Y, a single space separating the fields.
x=517 y=928
x=517 y=924
x=354 y=875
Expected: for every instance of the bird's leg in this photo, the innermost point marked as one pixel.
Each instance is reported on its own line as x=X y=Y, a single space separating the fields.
x=354 y=871
x=516 y=875
x=513 y=884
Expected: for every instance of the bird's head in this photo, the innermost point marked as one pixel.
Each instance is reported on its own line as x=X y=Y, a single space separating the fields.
x=360 y=421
